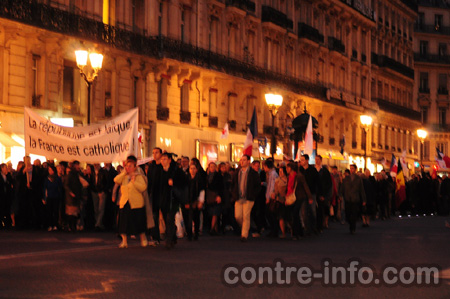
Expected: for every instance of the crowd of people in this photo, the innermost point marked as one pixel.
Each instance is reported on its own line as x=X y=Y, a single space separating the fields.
x=290 y=200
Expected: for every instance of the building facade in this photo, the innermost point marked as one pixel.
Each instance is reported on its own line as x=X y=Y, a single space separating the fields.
x=432 y=66
x=193 y=66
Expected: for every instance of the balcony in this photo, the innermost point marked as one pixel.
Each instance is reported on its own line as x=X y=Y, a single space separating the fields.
x=440 y=127
x=432 y=58
x=245 y=5
x=433 y=29
x=443 y=91
x=311 y=33
x=395 y=109
x=271 y=15
x=232 y=125
x=185 y=117
x=363 y=58
x=386 y=62
x=424 y=90
x=360 y=7
x=213 y=121
x=336 y=45
x=162 y=113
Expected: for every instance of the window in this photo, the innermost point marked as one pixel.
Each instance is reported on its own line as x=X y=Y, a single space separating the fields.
x=71 y=76
x=213 y=102
x=353 y=136
x=442 y=89
x=421 y=20
x=423 y=48
x=135 y=91
x=442 y=116
x=137 y=11
x=184 y=97
x=182 y=25
x=160 y=18
x=424 y=115
x=442 y=50
x=363 y=87
x=35 y=96
x=423 y=87
x=232 y=106
x=162 y=93
x=437 y=22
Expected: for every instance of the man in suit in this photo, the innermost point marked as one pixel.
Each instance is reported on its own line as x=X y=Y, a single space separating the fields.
x=246 y=186
x=353 y=193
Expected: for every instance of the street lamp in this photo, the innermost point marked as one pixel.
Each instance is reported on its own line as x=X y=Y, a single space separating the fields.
x=89 y=76
x=366 y=121
x=422 y=134
x=274 y=102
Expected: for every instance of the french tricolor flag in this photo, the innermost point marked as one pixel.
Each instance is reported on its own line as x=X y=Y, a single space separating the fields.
x=443 y=160
x=252 y=132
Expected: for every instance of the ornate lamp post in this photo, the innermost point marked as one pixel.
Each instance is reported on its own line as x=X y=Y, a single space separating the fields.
x=422 y=134
x=274 y=102
x=91 y=74
x=366 y=121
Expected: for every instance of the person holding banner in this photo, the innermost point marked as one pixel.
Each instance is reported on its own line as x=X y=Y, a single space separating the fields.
x=132 y=219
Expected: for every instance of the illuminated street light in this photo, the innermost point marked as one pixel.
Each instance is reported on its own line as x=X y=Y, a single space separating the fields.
x=274 y=102
x=366 y=121
x=422 y=134
x=89 y=76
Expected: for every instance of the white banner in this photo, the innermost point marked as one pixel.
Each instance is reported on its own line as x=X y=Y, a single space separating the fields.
x=110 y=141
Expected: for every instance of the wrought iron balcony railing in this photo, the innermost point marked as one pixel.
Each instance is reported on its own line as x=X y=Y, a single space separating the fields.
x=359 y=6
x=185 y=117
x=425 y=90
x=162 y=113
x=442 y=91
x=397 y=109
x=335 y=44
x=311 y=33
x=245 y=5
x=433 y=58
x=213 y=121
x=434 y=29
x=384 y=61
x=49 y=18
x=269 y=14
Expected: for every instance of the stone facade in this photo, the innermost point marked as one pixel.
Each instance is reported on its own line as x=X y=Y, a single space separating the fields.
x=196 y=65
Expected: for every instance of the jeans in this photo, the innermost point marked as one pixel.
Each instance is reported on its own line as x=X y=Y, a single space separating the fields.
x=309 y=215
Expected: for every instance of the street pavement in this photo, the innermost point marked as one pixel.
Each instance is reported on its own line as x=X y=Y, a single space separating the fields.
x=40 y=264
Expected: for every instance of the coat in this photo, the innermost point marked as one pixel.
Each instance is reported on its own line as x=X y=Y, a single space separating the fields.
x=253 y=185
x=353 y=189
x=131 y=192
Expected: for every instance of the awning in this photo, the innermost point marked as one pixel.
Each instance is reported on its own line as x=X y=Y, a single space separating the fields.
x=7 y=141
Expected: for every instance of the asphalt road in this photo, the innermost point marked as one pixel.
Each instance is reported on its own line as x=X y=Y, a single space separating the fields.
x=89 y=265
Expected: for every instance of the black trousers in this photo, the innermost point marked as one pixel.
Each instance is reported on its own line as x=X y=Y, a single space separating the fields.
x=351 y=214
x=259 y=214
x=171 y=228
x=294 y=217
x=189 y=215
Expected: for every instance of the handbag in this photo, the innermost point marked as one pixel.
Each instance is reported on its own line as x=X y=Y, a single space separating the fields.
x=290 y=198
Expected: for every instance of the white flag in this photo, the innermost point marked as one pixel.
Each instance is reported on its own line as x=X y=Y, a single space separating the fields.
x=225 y=132
x=309 y=137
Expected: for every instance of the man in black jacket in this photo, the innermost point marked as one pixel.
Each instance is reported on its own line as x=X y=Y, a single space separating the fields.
x=153 y=178
x=246 y=185
x=326 y=192
x=309 y=208
x=172 y=183
x=353 y=193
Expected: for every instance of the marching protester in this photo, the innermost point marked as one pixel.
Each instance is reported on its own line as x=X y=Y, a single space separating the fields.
x=6 y=196
x=309 y=208
x=132 y=217
x=354 y=195
x=246 y=185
